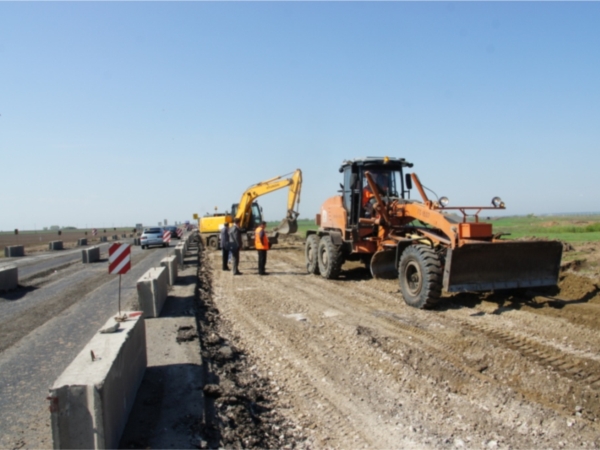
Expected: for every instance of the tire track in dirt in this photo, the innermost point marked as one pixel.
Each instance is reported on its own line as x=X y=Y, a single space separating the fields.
x=436 y=344
x=581 y=370
x=310 y=387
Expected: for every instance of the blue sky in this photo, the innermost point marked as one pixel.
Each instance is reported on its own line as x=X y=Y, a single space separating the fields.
x=119 y=113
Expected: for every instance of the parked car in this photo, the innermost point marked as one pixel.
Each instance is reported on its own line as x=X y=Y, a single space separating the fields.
x=152 y=236
x=173 y=231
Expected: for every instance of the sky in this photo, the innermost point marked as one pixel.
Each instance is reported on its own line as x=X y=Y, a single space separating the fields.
x=117 y=113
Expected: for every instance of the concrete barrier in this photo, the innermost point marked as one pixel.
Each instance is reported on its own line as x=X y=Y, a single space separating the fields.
x=14 y=250
x=103 y=239
x=152 y=290
x=137 y=241
x=91 y=400
x=90 y=255
x=170 y=262
x=180 y=254
x=55 y=245
x=9 y=278
x=184 y=244
x=81 y=242
x=115 y=237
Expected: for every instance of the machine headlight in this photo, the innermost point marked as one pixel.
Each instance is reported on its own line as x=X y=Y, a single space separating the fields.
x=497 y=202
x=444 y=201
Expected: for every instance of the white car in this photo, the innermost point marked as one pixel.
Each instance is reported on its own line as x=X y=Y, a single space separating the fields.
x=152 y=236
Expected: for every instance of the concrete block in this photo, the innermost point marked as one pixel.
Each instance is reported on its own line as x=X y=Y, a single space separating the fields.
x=170 y=262
x=152 y=290
x=180 y=254
x=137 y=241
x=90 y=255
x=55 y=245
x=103 y=239
x=9 y=278
x=184 y=244
x=115 y=237
x=91 y=400
x=81 y=242
x=14 y=250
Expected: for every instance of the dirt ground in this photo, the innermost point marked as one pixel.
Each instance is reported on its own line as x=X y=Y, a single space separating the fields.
x=38 y=242
x=348 y=365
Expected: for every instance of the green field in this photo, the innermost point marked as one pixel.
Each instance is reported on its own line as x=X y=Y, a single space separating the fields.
x=568 y=228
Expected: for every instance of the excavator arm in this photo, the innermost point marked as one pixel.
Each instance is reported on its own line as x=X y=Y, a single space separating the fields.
x=288 y=225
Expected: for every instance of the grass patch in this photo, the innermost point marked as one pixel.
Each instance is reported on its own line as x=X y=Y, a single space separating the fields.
x=573 y=228
x=568 y=228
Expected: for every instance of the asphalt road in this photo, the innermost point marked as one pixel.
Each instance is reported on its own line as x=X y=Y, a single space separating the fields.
x=46 y=323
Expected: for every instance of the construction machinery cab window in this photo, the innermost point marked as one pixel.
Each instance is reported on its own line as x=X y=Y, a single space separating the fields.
x=357 y=195
x=388 y=183
x=255 y=215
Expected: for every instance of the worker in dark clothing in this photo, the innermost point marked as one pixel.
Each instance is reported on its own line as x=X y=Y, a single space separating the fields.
x=235 y=244
x=225 y=245
x=261 y=242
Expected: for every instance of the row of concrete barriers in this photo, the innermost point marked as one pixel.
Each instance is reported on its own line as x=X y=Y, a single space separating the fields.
x=9 y=274
x=11 y=251
x=91 y=400
x=19 y=250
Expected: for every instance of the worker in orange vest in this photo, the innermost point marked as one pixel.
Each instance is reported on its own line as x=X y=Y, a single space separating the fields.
x=261 y=242
x=368 y=198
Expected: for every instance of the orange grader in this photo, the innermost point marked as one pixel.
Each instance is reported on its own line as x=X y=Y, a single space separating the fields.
x=426 y=244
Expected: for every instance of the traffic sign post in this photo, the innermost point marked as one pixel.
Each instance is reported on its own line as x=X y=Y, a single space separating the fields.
x=119 y=262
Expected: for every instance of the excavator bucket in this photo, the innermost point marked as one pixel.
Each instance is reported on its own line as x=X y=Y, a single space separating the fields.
x=502 y=265
x=383 y=265
x=287 y=226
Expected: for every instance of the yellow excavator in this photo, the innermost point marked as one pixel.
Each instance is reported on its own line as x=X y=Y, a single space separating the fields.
x=250 y=212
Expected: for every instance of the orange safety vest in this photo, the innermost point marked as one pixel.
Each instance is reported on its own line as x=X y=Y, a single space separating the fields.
x=261 y=244
x=366 y=196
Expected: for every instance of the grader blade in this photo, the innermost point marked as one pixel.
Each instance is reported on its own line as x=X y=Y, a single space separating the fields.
x=383 y=265
x=502 y=265
x=287 y=226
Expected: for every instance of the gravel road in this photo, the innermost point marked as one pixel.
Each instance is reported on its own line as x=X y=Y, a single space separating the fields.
x=353 y=367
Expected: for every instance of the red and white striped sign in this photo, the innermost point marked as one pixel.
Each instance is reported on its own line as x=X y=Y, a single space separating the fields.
x=166 y=236
x=94 y=232
x=119 y=258
x=179 y=232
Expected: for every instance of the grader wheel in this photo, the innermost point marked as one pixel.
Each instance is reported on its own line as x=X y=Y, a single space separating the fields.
x=311 y=252
x=420 y=276
x=330 y=258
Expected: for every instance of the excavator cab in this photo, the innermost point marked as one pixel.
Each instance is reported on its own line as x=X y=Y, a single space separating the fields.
x=253 y=217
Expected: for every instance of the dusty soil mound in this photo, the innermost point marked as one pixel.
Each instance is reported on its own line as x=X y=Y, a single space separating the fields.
x=575 y=287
